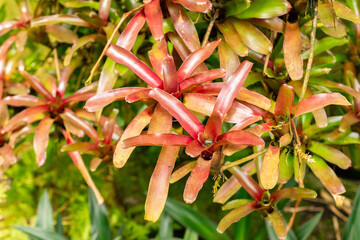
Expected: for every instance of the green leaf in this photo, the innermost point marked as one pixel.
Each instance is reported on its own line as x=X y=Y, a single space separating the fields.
x=100 y=228
x=324 y=44
x=304 y=231
x=40 y=233
x=191 y=219
x=352 y=230
x=59 y=227
x=190 y=234
x=166 y=229
x=265 y=9
x=44 y=217
x=235 y=7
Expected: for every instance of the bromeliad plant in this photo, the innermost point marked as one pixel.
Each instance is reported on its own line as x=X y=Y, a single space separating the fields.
x=205 y=98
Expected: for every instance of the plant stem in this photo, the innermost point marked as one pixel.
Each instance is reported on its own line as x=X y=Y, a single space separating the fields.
x=242 y=160
x=56 y=62
x=211 y=25
x=96 y=66
x=311 y=56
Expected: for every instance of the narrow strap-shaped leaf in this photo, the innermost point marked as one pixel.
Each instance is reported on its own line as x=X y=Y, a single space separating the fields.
x=194 y=148
x=38 y=86
x=79 y=97
x=232 y=185
x=235 y=216
x=128 y=36
x=157 y=139
x=62 y=34
x=265 y=9
x=101 y=100
x=318 y=101
x=275 y=24
x=81 y=147
x=229 y=61
x=44 y=212
x=23 y=100
x=305 y=230
x=170 y=77
x=292 y=50
x=161 y=121
x=182 y=172
x=201 y=78
x=125 y=57
x=138 y=95
x=348 y=120
x=194 y=60
x=159 y=183
x=197 y=178
x=225 y=99
x=6 y=26
x=29 y=115
x=79 y=163
x=344 y=12
x=254 y=98
x=284 y=103
x=104 y=9
x=154 y=18
x=241 y=137
x=195 y=5
x=39 y=233
x=41 y=139
x=269 y=171
x=278 y=224
x=326 y=175
x=293 y=192
x=184 y=26
x=80 y=123
x=252 y=37
x=247 y=182
x=233 y=38
x=178 y=110
x=335 y=85
x=133 y=129
x=109 y=126
x=330 y=154
x=58 y=18
x=157 y=55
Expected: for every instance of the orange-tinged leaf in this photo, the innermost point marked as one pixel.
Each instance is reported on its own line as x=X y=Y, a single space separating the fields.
x=194 y=60
x=201 y=78
x=37 y=86
x=269 y=172
x=99 y=101
x=228 y=59
x=326 y=14
x=232 y=37
x=182 y=171
x=254 y=98
x=292 y=50
x=347 y=121
x=178 y=110
x=326 y=175
x=278 y=224
x=22 y=100
x=275 y=24
x=154 y=18
x=161 y=121
x=159 y=183
x=232 y=185
x=252 y=37
x=58 y=18
x=170 y=77
x=41 y=139
x=197 y=178
x=236 y=215
x=128 y=36
x=293 y=192
x=157 y=139
x=195 y=5
x=344 y=12
x=318 y=101
x=133 y=129
x=284 y=103
x=94 y=164
x=184 y=26
x=330 y=154
x=7 y=153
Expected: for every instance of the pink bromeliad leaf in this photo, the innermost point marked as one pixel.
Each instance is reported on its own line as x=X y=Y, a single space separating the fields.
x=38 y=86
x=169 y=72
x=157 y=139
x=194 y=60
x=318 y=101
x=184 y=26
x=133 y=129
x=41 y=139
x=154 y=18
x=157 y=55
x=178 y=110
x=125 y=57
x=101 y=100
x=23 y=100
x=225 y=99
x=201 y=78
x=195 y=5
x=104 y=9
x=284 y=103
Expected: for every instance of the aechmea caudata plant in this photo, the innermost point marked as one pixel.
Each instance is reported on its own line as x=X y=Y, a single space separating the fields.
x=259 y=85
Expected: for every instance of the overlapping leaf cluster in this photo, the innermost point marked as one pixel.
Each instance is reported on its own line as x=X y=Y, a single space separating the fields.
x=262 y=68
